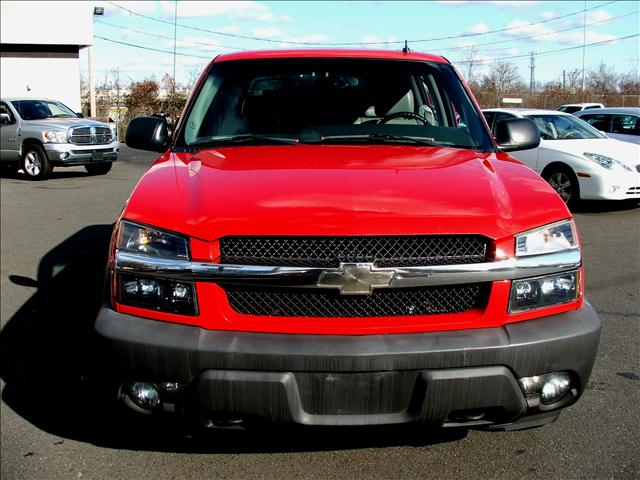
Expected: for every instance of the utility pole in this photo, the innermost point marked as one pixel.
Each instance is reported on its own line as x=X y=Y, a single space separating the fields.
x=97 y=11
x=532 y=67
x=175 y=29
x=564 y=80
x=584 y=43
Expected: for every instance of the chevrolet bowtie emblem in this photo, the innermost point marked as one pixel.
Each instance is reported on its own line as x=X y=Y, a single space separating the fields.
x=355 y=278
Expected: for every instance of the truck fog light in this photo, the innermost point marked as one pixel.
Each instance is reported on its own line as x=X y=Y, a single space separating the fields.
x=555 y=387
x=64 y=155
x=144 y=395
x=545 y=291
x=549 y=388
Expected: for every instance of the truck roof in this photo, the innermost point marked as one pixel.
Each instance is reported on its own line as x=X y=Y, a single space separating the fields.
x=331 y=53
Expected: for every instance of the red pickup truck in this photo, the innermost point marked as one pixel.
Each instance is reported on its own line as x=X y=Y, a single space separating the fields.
x=333 y=237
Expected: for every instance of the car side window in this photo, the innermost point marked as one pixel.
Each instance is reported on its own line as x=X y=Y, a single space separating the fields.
x=600 y=121
x=625 y=124
x=4 y=108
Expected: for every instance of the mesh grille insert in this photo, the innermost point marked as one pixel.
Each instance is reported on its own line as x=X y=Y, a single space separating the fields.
x=403 y=251
x=294 y=302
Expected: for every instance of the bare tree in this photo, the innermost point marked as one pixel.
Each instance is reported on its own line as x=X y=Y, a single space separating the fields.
x=573 y=81
x=603 y=80
x=193 y=75
x=502 y=78
x=629 y=83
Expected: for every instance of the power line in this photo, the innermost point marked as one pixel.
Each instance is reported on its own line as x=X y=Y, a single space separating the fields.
x=150 y=48
x=166 y=37
x=271 y=40
x=549 y=52
x=515 y=39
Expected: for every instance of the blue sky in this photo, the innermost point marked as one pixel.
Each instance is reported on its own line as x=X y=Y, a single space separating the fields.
x=470 y=25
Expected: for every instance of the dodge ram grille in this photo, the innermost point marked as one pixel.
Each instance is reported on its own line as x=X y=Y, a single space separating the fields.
x=294 y=302
x=91 y=135
x=403 y=251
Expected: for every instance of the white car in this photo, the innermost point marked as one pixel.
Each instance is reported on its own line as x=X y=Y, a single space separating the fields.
x=621 y=123
x=577 y=160
x=578 y=107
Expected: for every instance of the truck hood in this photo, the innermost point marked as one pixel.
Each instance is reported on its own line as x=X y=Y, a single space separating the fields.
x=64 y=123
x=342 y=190
x=626 y=152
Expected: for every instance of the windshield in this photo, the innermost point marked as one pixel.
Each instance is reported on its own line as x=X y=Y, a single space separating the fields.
x=564 y=127
x=39 y=109
x=333 y=101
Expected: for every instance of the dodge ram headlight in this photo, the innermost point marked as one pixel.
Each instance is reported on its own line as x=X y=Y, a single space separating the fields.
x=606 y=162
x=114 y=132
x=531 y=293
x=145 y=290
x=55 y=136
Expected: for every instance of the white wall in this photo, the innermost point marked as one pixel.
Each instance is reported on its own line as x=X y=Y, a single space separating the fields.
x=55 y=78
x=48 y=23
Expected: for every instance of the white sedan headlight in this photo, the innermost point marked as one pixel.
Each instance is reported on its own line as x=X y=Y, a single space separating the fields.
x=55 y=136
x=606 y=162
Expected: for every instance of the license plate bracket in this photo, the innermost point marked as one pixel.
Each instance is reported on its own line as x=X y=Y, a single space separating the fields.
x=97 y=156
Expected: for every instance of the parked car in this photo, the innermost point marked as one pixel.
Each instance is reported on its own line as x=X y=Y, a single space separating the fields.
x=621 y=123
x=37 y=135
x=578 y=107
x=332 y=237
x=578 y=161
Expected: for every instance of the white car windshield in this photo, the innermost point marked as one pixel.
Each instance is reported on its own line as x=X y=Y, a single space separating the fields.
x=564 y=127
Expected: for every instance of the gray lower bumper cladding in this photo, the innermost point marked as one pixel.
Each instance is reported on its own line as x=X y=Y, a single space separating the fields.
x=455 y=378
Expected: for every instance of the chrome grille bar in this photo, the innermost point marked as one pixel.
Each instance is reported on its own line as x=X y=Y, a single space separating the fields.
x=508 y=269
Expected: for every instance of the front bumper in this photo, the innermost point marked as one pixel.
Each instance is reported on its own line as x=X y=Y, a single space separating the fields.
x=610 y=185
x=67 y=154
x=443 y=378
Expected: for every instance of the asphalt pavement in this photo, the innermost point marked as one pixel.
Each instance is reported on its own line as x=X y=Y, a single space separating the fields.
x=59 y=420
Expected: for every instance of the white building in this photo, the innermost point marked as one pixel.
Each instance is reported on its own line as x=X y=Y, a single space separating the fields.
x=40 y=45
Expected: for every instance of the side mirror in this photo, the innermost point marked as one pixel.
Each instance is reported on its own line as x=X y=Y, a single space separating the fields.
x=148 y=133
x=517 y=134
x=79 y=115
x=5 y=118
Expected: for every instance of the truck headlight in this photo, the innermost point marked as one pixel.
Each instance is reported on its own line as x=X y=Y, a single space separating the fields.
x=548 y=239
x=55 y=136
x=114 y=132
x=606 y=162
x=538 y=292
x=147 y=291
x=141 y=239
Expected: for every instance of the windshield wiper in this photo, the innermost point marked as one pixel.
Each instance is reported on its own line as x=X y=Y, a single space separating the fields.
x=379 y=137
x=249 y=138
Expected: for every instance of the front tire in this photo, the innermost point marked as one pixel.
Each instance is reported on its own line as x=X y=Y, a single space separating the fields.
x=565 y=183
x=35 y=163
x=98 y=168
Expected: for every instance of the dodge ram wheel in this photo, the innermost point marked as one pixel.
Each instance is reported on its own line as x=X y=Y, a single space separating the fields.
x=35 y=163
x=98 y=168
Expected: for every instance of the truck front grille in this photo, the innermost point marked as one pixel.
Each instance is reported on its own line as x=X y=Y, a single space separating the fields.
x=91 y=135
x=294 y=302
x=392 y=251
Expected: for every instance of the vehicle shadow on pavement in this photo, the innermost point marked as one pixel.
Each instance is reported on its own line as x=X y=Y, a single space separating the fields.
x=605 y=206
x=58 y=378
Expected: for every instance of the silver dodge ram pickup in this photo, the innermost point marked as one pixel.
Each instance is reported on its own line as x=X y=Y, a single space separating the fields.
x=37 y=135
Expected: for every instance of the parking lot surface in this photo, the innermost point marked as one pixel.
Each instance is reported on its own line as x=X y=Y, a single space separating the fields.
x=59 y=420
